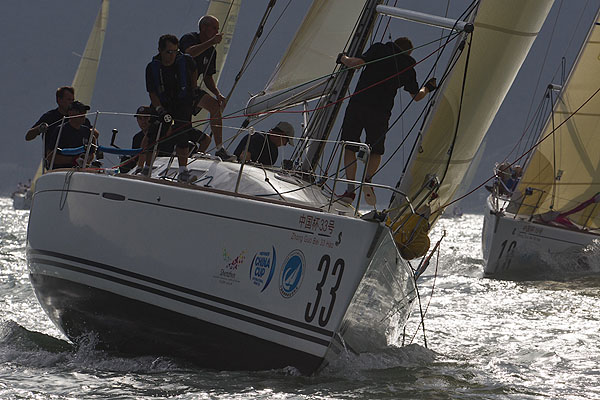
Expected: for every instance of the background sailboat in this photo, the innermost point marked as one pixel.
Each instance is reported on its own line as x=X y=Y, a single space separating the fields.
x=555 y=204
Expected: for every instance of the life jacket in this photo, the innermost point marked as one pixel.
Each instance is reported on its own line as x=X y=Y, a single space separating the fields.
x=182 y=83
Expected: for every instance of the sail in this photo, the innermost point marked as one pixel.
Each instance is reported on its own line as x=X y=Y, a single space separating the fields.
x=85 y=77
x=226 y=11
x=311 y=55
x=572 y=153
x=504 y=32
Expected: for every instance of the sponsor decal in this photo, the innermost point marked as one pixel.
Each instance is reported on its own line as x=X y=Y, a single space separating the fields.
x=262 y=269
x=227 y=274
x=292 y=272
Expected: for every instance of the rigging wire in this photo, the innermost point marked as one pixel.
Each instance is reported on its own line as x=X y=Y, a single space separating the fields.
x=527 y=152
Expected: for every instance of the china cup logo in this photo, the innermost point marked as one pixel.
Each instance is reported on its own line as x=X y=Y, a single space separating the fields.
x=291 y=274
x=262 y=268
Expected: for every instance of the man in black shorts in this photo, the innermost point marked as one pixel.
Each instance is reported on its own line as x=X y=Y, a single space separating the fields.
x=200 y=45
x=73 y=134
x=263 y=149
x=171 y=79
x=371 y=105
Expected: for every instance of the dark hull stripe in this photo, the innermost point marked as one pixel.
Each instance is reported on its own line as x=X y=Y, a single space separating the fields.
x=221 y=216
x=131 y=326
x=183 y=289
x=181 y=299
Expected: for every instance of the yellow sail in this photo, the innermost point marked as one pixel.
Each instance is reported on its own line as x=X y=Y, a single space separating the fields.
x=564 y=170
x=323 y=33
x=226 y=11
x=504 y=32
x=85 y=77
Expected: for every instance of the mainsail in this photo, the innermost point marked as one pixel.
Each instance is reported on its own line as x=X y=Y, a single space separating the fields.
x=311 y=55
x=471 y=95
x=564 y=170
x=226 y=11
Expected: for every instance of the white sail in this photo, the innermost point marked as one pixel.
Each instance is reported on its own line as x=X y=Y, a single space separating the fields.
x=226 y=11
x=85 y=77
x=564 y=170
x=311 y=55
x=504 y=32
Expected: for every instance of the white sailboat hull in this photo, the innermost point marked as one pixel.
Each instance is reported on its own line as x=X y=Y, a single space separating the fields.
x=21 y=201
x=516 y=248
x=228 y=281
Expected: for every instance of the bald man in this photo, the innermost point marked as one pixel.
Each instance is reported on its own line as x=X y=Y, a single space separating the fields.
x=201 y=46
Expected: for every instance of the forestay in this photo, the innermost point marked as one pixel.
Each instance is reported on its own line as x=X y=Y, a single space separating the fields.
x=504 y=32
x=575 y=177
x=311 y=55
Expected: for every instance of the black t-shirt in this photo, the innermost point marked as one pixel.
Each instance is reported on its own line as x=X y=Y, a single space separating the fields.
x=382 y=95
x=170 y=80
x=53 y=118
x=261 y=149
x=207 y=60
x=69 y=137
x=136 y=142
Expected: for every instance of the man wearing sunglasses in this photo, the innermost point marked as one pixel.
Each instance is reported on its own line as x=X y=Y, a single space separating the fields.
x=171 y=79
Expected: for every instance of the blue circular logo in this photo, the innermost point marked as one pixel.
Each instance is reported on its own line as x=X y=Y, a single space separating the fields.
x=291 y=274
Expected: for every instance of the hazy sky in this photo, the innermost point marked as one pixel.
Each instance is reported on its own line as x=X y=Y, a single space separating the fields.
x=41 y=40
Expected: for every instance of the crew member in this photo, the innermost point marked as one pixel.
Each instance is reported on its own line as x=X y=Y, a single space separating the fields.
x=263 y=149
x=171 y=78
x=73 y=134
x=201 y=46
x=389 y=67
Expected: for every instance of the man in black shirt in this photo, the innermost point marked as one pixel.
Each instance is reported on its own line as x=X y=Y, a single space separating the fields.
x=200 y=45
x=389 y=67
x=72 y=135
x=171 y=79
x=142 y=116
x=263 y=148
x=64 y=97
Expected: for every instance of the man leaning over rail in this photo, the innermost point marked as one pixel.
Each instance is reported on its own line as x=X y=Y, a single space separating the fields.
x=389 y=67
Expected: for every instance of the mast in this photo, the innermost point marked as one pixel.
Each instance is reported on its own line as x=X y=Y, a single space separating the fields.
x=321 y=124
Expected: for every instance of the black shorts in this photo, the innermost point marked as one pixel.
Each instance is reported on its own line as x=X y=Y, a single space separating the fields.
x=373 y=120
x=177 y=136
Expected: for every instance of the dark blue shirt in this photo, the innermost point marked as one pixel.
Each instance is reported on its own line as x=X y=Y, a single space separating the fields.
x=261 y=149
x=207 y=60
x=69 y=137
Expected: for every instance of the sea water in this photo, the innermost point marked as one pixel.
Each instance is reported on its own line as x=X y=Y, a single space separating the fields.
x=483 y=339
